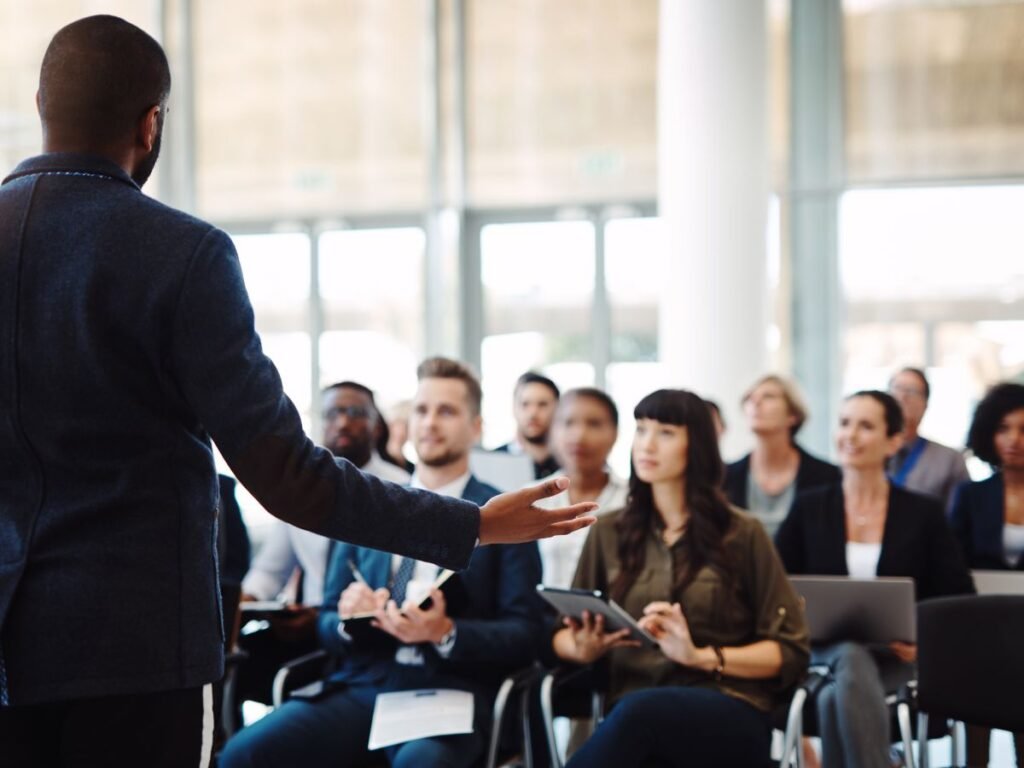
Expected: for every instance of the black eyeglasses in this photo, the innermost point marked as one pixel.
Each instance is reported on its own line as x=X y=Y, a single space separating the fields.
x=353 y=412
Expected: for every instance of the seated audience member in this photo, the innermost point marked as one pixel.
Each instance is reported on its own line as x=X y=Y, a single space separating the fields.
x=864 y=526
x=705 y=579
x=716 y=418
x=766 y=480
x=349 y=422
x=921 y=465
x=472 y=647
x=398 y=435
x=988 y=516
x=534 y=401
x=586 y=425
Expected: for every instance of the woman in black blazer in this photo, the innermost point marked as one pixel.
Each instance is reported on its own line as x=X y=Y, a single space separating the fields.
x=865 y=526
x=988 y=516
x=767 y=479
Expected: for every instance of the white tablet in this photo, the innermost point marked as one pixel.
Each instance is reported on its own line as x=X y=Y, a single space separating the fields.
x=573 y=602
x=840 y=608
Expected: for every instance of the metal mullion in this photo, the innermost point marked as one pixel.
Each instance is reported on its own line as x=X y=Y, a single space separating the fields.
x=600 y=308
x=316 y=327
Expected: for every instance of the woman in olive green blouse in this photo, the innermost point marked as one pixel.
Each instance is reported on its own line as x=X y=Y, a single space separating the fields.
x=705 y=580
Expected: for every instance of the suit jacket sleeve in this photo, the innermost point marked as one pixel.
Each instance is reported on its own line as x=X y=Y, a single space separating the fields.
x=957 y=476
x=218 y=364
x=511 y=637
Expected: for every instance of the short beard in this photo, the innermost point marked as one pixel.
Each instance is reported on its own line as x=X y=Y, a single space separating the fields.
x=541 y=439
x=444 y=459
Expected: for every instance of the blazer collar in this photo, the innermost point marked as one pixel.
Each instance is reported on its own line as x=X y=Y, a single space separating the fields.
x=71 y=164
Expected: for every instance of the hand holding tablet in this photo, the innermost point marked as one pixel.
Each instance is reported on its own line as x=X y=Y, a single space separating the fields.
x=596 y=614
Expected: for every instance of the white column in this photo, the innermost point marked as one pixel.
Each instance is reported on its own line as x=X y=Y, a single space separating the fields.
x=713 y=199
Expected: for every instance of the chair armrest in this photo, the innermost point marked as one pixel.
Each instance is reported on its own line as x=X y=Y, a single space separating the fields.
x=299 y=672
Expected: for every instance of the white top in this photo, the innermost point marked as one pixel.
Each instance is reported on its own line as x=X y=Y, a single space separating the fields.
x=288 y=547
x=1013 y=543
x=862 y=559
x=559 y=554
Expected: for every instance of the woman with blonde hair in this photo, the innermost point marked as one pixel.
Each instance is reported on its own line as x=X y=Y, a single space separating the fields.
x=767 y=479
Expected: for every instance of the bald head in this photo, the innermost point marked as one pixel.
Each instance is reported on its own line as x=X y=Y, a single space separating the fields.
x=100 y=77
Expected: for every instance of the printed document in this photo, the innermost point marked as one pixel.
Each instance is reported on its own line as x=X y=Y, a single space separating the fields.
x=408 y=715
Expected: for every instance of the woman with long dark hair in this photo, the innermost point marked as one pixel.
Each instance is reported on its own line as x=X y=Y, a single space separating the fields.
x=705 y=580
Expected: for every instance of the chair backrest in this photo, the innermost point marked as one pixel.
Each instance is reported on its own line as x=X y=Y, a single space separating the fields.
x=969 y=659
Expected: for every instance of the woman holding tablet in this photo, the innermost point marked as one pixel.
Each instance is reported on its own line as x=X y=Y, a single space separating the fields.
x=866 y=527
x=704 y=579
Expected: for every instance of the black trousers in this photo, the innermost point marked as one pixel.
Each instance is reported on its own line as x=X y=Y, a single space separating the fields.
x=170 y=729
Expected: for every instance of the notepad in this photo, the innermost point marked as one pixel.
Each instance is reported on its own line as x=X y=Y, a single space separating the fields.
x=423 y=605
x=408 y=715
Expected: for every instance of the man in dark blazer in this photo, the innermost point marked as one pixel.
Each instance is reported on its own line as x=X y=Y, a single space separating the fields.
x=127 y=343
x=491 y=626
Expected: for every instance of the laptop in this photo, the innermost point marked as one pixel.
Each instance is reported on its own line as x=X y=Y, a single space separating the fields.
x=505 y=471
x=870 y=611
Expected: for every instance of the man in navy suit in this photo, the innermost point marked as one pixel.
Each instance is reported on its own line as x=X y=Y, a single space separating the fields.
x=127 y=343
x=470 y=647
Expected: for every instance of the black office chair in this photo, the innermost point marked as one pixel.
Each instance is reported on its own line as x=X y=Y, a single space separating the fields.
x=968 y=663
x=507 y=739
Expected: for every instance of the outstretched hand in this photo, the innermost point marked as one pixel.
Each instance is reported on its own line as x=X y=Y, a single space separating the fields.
x=512 y=518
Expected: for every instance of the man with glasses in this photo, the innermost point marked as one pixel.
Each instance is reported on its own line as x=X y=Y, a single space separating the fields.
x=296 y=559
x=922 y=465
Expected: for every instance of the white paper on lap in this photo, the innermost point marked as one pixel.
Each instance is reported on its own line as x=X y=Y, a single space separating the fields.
x=409 y=715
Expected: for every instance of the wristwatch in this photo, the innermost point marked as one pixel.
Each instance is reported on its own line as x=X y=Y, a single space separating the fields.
x=447 y=640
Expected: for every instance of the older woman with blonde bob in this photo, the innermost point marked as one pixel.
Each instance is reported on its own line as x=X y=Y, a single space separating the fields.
x=766 y=480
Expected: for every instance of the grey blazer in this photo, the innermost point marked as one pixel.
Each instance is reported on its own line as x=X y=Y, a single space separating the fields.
x=126 y=344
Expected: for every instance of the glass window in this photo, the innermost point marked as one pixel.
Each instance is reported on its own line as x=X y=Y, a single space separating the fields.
x=561 y=101
x=634 y=256
x=934 y=278
x=538 y=283
x=372 y=284
x=933 y=89
x=313 y=107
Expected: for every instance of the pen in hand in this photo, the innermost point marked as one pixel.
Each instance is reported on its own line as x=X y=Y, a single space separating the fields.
x=355 y=572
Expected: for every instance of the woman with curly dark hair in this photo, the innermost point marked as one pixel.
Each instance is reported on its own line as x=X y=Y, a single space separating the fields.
x=705 y=580
x=988 y=516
